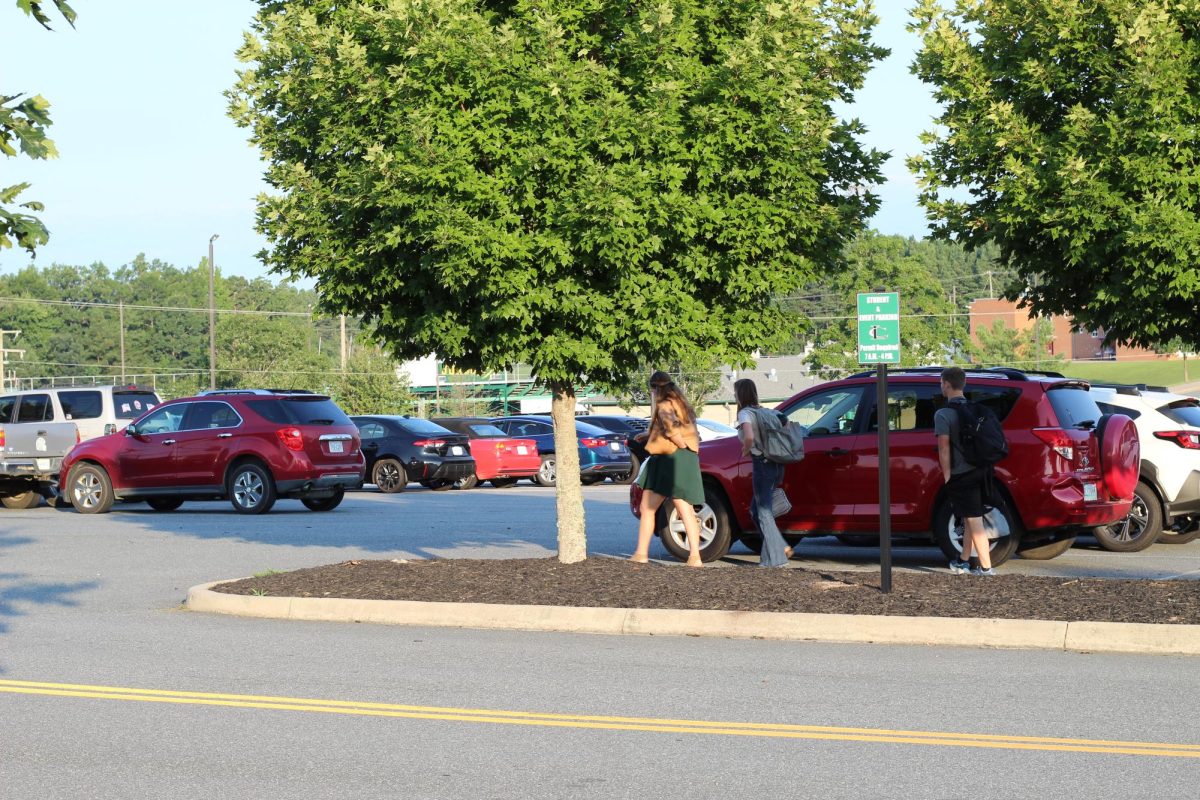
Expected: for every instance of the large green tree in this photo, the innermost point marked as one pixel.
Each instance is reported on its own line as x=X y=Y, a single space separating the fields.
x=580 y=185
x=23 y=122
x=1070 y=137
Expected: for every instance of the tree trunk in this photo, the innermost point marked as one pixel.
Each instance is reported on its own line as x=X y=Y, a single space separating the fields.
x=572 y=535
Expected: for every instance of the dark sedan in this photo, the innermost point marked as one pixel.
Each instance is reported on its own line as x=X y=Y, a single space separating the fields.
x=602 y=453
x=402 y=449
x=628 y=427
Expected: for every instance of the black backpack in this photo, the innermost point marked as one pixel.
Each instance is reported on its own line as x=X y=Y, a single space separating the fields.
x=980 y=435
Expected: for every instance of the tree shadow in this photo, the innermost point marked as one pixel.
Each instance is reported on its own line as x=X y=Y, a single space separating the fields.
x=19 y=592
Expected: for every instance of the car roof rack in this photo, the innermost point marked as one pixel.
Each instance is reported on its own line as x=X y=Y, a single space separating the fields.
x=1128 y=388
x=208 y=392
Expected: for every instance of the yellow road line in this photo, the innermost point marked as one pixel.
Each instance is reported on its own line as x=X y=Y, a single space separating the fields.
x=644 y=724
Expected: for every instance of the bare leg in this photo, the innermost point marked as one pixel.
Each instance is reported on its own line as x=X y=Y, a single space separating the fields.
x=975 y=534
x=647 y=509
x=968 y=541
x=691 y=525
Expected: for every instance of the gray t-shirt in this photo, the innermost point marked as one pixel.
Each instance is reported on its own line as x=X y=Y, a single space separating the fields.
x=945 y=423
x=747 y=415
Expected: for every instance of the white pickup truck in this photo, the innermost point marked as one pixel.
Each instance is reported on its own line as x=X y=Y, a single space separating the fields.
x=30 y=456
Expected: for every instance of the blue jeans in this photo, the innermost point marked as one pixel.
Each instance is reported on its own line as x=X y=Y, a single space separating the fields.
x=766 y=476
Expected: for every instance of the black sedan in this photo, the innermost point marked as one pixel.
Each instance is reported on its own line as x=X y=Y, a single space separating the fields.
x=402 y=449
x=628 y=427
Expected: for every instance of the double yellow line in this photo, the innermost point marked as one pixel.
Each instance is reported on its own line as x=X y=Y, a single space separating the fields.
x=649 y=725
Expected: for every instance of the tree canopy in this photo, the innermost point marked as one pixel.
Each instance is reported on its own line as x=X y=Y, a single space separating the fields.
x=579 y=185
x=23 y=123
x=1070 y=138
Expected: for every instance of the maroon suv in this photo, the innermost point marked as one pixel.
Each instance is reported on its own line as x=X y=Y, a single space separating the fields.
x=1070 y=467
x=252 y=446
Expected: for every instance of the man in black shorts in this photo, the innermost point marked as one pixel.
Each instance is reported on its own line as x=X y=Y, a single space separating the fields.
x=964 y=483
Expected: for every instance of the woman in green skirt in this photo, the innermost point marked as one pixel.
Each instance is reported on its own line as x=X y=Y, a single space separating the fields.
x=673 y=470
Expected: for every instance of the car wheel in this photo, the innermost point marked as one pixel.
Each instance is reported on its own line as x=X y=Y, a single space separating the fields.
x=90 y=489
x=324 y=503
x=389 y=476
x=1137 y=531
x=1045 y=550
x=546 y=473
x=1188 y=531
x=165 y=503
x=1001 y=518
x=631 y=476
x=251 y=489
x=23 y=500
x=469 y=482
x=503 y=483
x=716 y=530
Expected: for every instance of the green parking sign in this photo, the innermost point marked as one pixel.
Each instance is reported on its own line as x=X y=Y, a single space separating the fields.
x=879 y=328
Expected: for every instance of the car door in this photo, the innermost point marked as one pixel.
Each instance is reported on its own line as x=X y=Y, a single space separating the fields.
x=820 y=486
x=540 y=432
x=203 y=444
x=371 y=434
x=146 y=459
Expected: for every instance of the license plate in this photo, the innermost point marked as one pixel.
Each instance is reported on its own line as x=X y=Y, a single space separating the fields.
x=614 y=446
x=336 y=447
x=456 y=451
x=522 y=450
x=1089 y=491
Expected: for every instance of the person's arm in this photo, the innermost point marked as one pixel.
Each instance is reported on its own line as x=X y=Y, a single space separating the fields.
x=944 y=455
x=673 y=426
x=746 y=434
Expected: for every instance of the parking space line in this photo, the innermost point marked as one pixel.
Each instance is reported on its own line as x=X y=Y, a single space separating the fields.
x=616 y=723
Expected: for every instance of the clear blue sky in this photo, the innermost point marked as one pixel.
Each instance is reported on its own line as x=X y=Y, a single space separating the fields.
x=150 y=163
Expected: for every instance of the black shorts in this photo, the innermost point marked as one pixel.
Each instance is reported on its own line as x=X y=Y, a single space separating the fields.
x=965 y=493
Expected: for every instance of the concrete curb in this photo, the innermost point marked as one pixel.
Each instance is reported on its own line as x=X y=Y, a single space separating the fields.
x=1096 y=637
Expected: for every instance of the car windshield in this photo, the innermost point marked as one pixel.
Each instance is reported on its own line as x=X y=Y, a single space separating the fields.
x=420 y=426
x=1074 y=406
x=299 y=411
x=716 y=426
x=586 y=429
x=485 y=430
x=1185 y=412
x=131 y=405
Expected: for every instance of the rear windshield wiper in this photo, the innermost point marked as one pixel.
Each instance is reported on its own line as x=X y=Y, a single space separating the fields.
x=1087 y=424
x=320 y=422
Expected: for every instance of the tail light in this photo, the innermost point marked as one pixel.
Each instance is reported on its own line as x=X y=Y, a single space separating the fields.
x=589 y=442
x=429 y=443
x=1188 y=440
x=1058 y=441
x=292 y=438
x=1 y=437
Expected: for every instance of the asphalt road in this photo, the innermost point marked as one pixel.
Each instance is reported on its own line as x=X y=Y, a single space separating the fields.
x=209 y=706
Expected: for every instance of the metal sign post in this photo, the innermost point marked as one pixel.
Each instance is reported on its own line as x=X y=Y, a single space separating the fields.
x=879 y=344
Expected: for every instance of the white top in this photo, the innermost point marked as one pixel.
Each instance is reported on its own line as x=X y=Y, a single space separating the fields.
x=746 y=417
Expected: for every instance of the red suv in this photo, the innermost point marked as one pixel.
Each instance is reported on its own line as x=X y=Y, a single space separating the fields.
x=1070 y=467
x=251 y=446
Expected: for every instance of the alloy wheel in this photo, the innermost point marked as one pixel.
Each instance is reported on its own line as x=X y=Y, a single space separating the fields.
x=248 y=489
x=87 y=490
x=1132 y=526
x=708 y=526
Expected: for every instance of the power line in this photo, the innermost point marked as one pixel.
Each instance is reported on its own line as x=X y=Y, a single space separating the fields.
x=204 y=310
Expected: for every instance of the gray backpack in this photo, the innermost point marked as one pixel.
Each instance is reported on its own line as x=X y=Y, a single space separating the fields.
x=779 y=440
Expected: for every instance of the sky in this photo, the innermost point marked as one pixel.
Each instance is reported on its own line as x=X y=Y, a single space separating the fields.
x=151 y=163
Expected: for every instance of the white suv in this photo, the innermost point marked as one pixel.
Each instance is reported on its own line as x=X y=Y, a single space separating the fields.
x=1166 y=507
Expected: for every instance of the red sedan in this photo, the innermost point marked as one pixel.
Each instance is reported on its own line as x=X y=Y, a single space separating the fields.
x=499 y=458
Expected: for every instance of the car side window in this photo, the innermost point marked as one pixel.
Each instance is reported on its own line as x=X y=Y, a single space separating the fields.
x=828 y=413
x=81 y=404
x=371 y=430
x=208 y=415
x=167 y=419
x=910 y=408
x=1109 y=408
x=7 y=404
x=35 y=408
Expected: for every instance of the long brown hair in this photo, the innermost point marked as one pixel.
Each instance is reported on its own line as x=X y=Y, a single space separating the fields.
x=746 y=393
x=662 y=387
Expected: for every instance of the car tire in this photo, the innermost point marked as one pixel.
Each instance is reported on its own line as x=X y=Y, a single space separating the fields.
x=716 y=527
x=1189 y=531
x=389 y=476
x=503 y=483
x=1045 y=550
x=324 y=503
x=631 y=476
x=1137 y=531
x=24 y=500
x=547 y=475
x=90 y=489
x=251 y=489
x=950 y=541
x=165 y=503
x=469 y=482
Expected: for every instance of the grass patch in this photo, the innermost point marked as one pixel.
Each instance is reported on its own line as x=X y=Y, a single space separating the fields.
x=1152 y=372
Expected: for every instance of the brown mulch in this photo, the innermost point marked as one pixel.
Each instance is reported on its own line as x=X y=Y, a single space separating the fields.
x=614 y=583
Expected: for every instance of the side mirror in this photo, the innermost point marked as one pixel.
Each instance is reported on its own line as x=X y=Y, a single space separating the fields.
x=131 y=430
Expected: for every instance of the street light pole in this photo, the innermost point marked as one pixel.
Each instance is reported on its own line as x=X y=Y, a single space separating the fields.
x=212 y=316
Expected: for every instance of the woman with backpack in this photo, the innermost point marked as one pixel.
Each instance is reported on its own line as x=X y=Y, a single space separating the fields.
x=673 y=470
x=767 y=474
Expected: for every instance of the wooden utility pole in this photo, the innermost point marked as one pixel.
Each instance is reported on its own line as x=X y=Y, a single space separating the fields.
x=121 y=312
x=343 y=323
x=4 y=351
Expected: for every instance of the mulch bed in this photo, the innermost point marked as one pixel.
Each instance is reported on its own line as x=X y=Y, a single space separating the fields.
x=614 y=583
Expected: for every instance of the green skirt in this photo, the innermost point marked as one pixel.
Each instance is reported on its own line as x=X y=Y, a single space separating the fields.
x=676 y=475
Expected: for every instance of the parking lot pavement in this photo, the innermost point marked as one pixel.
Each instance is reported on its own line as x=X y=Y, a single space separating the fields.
x=518 y=522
